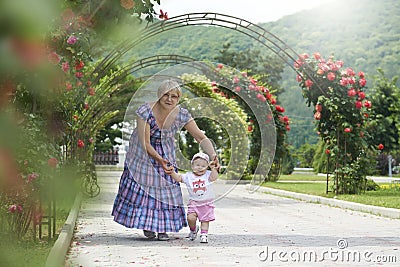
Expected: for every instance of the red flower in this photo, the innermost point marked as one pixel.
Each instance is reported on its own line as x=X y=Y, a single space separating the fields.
x=347 y=130
x=279 y=108
x=249 y=128
x=52 y=162
x=78 y=74
x=350 y=72
x=286 y=119
x=381 y=147
x=317 y=115
x=299 y=78
x=287 y=128
x=331 y=76
x=213 y=83
x=308 y=83
x=81 y=143
x=79 y=65
x=86 y=106
x=318 y=107
x=327 y=151
x=163 y=15
x=361 y=74
x=359 y=104
x=361 y=95
x=368 y=104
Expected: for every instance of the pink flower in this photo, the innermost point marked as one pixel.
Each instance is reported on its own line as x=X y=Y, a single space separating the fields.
x=213 y=83
x=381 y=147
x=65 y=66
x=32 y=176
x=351 y=92
x=19 y=208
x=287 y=127
x=361 y=95
x=362 y=82
x=358 y=104
x=350 y=72
x=347 y=130
x=54 y=58
x=220 y=65
x=68 y=86
x=308 y=83
x=235 y=79
x=343 y=81
x=261 y=97
x=238 y=89
x=331 y=76
x=12 y=208
x=72 y=40
x=320 y=71
x=317 y=115
x=361 y=74
x=90 y=140
x=86 y=106
x=78 y=74
x=317 y=55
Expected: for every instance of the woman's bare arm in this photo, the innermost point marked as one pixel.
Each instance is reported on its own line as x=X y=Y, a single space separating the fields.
x=143 y=129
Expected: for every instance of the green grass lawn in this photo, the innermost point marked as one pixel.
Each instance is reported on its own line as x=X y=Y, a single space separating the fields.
x=389 y=198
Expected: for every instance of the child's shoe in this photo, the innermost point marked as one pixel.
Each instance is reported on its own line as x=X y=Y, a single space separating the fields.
x=203 y=238
x=193 y=234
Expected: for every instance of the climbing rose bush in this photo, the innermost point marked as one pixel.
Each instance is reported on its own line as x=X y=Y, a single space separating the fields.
x=341 y=114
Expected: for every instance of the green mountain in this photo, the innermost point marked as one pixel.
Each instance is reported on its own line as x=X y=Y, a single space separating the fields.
x=365 y=34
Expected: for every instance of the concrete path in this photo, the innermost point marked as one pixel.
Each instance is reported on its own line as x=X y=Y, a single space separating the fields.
x=250 y=230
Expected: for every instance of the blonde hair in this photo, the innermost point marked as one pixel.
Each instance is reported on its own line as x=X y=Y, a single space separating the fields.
x=168 y=85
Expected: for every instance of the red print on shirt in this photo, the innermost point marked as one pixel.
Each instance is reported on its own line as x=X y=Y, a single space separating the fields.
x=199 y=185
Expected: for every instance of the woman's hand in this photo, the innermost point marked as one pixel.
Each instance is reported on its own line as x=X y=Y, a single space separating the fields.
x=168 y=168
x=215 y=164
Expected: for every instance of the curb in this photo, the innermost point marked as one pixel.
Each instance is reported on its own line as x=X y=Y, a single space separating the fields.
x=59 y=251
x=380 y=211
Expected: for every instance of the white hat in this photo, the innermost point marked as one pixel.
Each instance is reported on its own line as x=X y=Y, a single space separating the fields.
x=202 y=156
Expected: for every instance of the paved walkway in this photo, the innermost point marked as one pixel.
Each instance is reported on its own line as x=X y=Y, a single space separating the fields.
x=250 y=230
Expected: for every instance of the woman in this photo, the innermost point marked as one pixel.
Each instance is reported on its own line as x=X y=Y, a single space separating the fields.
x=148 y=198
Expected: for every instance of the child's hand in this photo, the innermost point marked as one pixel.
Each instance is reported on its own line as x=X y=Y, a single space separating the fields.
x=215 y=164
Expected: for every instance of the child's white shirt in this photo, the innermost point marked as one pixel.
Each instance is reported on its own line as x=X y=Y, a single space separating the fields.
x=199 y=187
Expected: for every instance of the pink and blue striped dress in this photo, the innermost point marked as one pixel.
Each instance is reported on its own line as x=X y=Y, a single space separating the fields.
x=148 y=198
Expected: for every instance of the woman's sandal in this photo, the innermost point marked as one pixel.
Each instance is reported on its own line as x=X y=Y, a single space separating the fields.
x=149 y=234
x=163 y=236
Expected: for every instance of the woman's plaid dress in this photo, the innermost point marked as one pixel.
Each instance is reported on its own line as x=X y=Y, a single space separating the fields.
x=148 y=198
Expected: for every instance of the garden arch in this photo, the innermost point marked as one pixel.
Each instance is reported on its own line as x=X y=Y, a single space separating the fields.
x=257 y=33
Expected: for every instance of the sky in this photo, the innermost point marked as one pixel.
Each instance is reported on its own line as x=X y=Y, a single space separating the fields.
x=255 y=11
